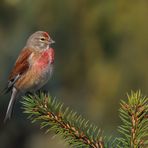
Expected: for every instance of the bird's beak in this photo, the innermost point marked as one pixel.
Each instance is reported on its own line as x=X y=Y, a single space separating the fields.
x=52 y=41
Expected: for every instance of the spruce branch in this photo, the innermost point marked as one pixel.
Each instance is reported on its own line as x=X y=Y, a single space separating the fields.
x=79 y=132
x=76 y=130
x=134 y=116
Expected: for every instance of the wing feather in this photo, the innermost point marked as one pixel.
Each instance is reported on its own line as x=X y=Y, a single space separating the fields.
x=20 y=67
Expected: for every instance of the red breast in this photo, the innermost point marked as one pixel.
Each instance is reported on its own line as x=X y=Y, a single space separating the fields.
x=46 y=58
x=51 y=55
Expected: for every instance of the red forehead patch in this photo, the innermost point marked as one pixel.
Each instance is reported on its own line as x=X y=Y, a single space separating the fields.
x=46 y=34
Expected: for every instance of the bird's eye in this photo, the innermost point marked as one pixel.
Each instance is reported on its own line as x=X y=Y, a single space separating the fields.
x=42 y=39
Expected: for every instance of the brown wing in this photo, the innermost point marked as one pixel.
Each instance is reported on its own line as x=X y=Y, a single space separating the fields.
x=21 y=66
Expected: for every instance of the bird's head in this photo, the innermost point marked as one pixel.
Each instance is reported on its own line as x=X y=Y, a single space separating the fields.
x=39 y=40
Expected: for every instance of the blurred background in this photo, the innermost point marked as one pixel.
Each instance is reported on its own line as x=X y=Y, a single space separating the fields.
x=101 y=54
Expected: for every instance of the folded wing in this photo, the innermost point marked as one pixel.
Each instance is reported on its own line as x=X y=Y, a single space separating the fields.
x=20 y=67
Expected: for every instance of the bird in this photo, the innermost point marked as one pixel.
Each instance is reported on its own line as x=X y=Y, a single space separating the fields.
x=32 y=69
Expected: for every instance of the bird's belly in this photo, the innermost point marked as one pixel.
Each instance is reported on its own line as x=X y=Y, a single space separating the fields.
x=43 y=77
x=35 y=78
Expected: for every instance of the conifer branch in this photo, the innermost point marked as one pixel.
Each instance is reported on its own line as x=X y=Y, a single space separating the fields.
x=77 y=131
x=134 y=116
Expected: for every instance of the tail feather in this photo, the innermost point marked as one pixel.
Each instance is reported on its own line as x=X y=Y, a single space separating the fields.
x=11 y=104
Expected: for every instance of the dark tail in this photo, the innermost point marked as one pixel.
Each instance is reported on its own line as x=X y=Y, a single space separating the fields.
x=11 y=104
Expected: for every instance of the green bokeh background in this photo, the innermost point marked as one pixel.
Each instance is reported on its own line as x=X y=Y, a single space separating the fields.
x=101 y=54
